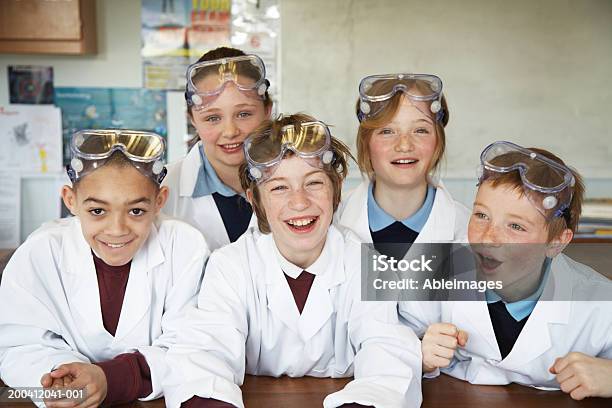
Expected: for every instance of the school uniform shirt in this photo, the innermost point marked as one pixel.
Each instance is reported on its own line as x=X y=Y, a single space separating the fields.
x=561 y=322
x=392 y=237
x=51 y=310
x=198 y=197
x=247 y=321
x=445 y=220
x=128 y=375
x=440 y=219
x=509 y=318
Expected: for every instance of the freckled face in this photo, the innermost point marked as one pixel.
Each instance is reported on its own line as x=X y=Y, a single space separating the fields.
x=298 y=202
x=401 y=151
x=508 y=234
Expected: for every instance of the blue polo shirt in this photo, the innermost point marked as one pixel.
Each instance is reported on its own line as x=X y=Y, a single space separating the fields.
x=208 y=182
x=235 y=211
x=522 y=308
x=379 y=219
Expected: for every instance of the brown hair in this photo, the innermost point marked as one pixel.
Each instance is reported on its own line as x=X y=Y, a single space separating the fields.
x=384 y=114
x=541 y=174
x=336 y=170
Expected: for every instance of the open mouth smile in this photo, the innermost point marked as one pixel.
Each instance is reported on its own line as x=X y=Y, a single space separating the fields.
x=115 y=245
x=231 y=147
x=404 y=162
x=302 y=225
x=488 y=263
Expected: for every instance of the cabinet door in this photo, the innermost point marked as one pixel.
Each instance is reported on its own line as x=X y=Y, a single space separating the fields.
x=47 y=26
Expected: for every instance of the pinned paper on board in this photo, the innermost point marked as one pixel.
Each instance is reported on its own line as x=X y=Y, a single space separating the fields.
x=175 y=33
x=32 y=138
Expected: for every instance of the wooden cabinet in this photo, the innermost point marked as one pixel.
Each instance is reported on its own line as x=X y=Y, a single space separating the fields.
x=48 y=26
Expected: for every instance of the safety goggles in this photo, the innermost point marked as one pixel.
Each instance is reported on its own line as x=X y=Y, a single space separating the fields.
x=92 y=148
x=206 y=80
x=310 y=141
x=547 y=184
x=423 y=90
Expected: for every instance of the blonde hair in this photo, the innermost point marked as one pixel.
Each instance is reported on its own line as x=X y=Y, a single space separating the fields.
x=336 y=170
x=384 y=114
x=541 y=174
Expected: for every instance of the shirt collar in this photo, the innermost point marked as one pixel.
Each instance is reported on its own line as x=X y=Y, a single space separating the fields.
x=380 y=219
x=522 y=308
x=317 y=268
x=208 y=182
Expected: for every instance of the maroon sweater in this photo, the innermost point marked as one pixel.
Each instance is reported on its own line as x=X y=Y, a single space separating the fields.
x=128 y=376
x=300 y=288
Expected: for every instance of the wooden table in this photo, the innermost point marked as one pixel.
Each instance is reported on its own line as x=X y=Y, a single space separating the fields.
x=444 y=391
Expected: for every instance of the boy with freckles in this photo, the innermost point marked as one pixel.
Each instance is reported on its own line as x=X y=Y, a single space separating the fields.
x=550 y=325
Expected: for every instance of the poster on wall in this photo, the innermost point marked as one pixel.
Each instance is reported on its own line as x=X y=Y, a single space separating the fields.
x=29 y=84
x=122 y=108
x=177 y=32
x=256 y=30
x=31 y=138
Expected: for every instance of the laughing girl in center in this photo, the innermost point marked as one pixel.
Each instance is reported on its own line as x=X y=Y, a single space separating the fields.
x=284 y=299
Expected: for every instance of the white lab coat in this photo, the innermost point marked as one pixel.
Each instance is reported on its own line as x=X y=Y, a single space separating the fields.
x=447 y=221
x=247 y=321
x=200 y=212
x=50 y=310
x=555 y=328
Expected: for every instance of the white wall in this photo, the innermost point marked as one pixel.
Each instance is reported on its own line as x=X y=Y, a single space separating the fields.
x=534 y=72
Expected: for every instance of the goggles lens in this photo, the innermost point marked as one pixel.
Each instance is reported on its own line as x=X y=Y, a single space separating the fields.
x=539 y=172
x=206 y=80
x=309 y=140
x=141 y=145
x=424 y=91
x=547 y=184
x=92 y=148
x=426 y=87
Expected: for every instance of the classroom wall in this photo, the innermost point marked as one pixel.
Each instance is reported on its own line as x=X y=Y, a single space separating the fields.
x=533 y=72
x=117 y=62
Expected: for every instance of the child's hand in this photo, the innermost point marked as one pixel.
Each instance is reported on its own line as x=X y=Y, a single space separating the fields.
x=49 y=382
x=85 y=376
x=583 y=376
x=439 y=344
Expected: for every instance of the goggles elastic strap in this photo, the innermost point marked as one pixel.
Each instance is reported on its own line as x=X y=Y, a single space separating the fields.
x=564 y=211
